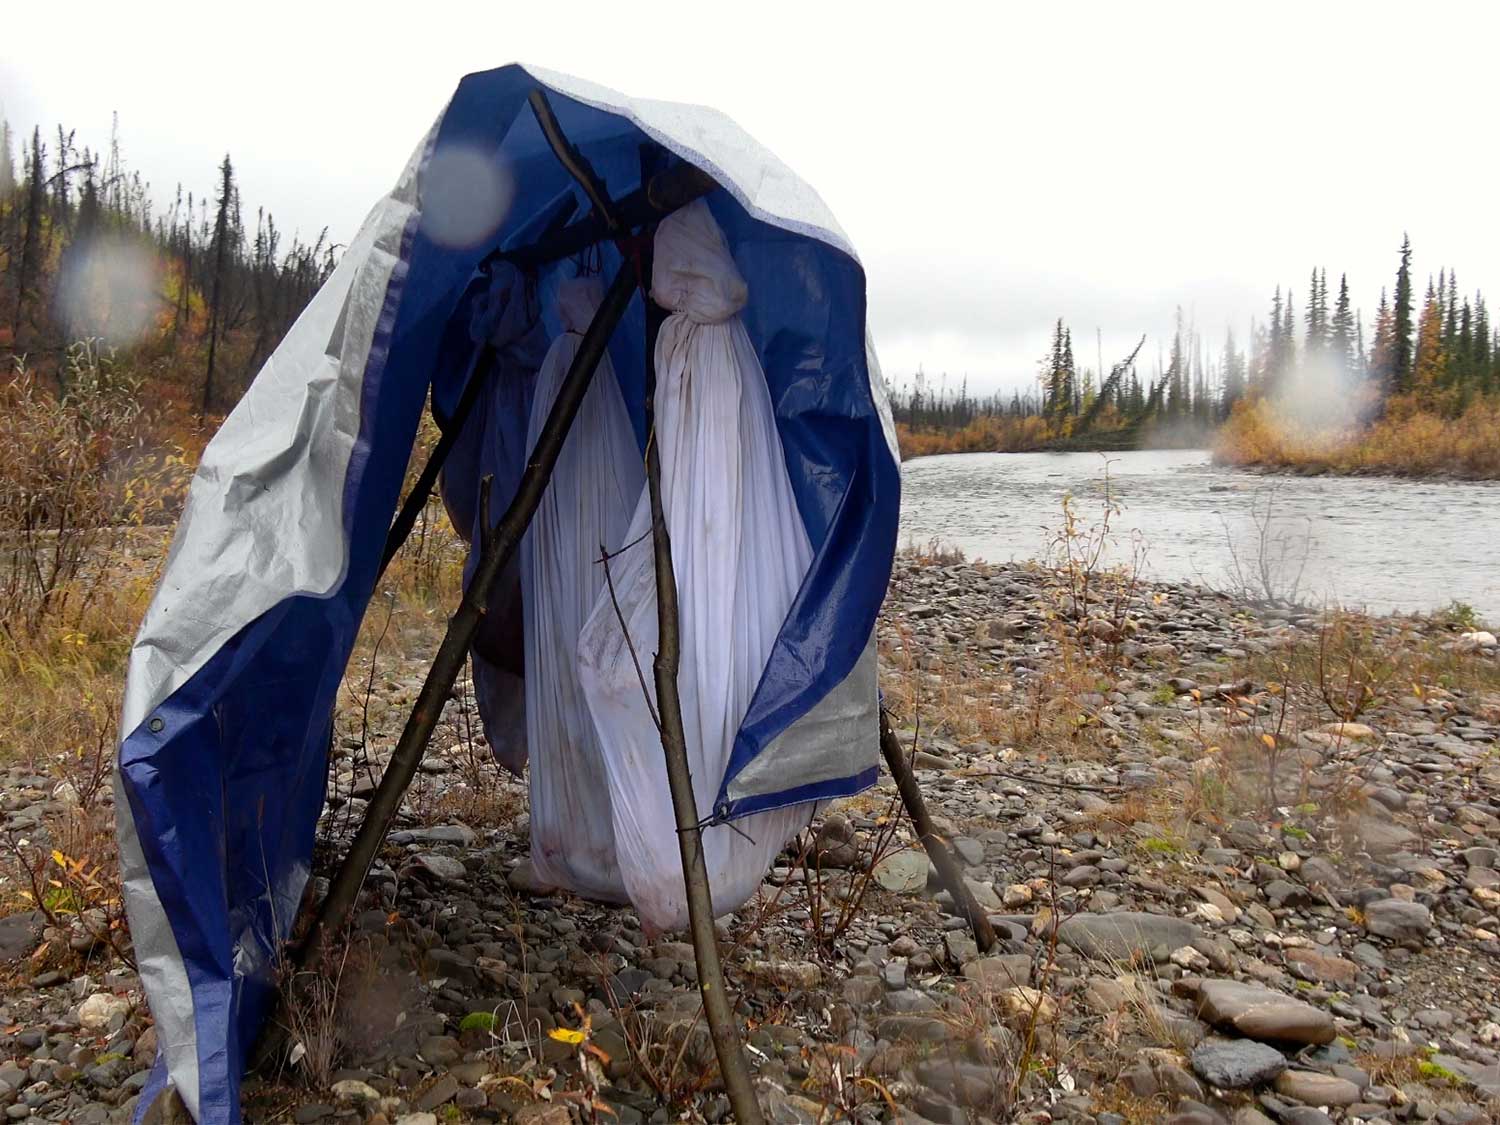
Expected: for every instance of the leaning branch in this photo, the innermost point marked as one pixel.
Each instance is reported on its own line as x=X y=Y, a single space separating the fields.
x=947 y=867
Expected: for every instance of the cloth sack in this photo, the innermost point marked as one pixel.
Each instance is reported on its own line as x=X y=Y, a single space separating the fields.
x=739 y=553
x=583 y=513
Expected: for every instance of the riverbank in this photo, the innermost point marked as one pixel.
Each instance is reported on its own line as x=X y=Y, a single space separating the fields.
x=1215 y=897
x=1407 y=442
x=1000 y=434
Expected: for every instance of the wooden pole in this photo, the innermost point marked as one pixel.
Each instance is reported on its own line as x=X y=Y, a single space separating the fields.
x=716 y=1007
x=722 y=1027
x=949 y=873
x=574 y=162
x=499 y=546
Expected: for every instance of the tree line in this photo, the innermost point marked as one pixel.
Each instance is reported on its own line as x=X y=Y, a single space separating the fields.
x=86 y=252
x=1437 y=357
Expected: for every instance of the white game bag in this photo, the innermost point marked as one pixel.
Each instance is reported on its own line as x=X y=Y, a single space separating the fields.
x=739 y=551
x=584 y=512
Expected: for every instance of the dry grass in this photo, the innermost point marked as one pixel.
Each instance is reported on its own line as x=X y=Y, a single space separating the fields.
x=1134 y=1109
x=1411 y=439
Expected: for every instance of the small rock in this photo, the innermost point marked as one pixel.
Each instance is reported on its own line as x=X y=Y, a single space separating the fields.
x=351 y=1091
x=1000 y=972
x=1311 y=1088
x=443 y=868
x=20 y=934
x=1231 y=1064
x=1017 y=894
x=524 y=880
x=98 y=1010
x=440 y=1050
x=902 y=872
x=442 y=1091
x=1320 y=968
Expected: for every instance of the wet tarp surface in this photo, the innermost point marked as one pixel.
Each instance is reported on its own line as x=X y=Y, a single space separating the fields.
x=223 y=768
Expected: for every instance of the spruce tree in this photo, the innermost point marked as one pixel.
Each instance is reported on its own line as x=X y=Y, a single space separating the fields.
x=1450 y=315
x=1176 y=377
x=1382 y=364
x=1402 y=347
x=1317 y=316
x=1234 y=375
x=7 y=165
x=1275 y=358
x=1482 y=347
x=1069 y=381
x=1288 y=337
x=1342 y=330
x=225 y=228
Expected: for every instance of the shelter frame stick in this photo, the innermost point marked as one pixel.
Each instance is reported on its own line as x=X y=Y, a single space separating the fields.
x=949 y=872
x=499 y=547
x=716 y=1006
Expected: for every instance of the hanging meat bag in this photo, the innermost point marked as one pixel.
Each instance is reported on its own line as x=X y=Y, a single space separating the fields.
x=739 y=552
x=584 y=512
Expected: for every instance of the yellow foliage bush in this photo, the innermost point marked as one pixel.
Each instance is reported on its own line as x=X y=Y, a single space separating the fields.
x=985 y=434
x=1410 y=439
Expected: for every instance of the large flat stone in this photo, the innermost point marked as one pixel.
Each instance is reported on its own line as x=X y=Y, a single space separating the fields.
x=1382 y=835
x=1485 y=1079
x=903 y=872
x=1324 y=968
x=1127 y=936
x=1260 y=1013
x=1398 y=920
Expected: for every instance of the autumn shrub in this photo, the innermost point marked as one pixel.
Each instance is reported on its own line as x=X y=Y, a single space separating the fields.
x=988 y=433
x=1413 y=436
x=80 y=494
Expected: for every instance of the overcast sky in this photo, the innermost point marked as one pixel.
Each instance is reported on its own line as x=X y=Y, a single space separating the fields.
x=996 y=165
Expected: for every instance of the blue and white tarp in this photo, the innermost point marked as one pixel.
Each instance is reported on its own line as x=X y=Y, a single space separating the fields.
x=233 y=678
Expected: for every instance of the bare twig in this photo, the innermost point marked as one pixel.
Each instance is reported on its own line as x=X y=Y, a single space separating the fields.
x=609 y=582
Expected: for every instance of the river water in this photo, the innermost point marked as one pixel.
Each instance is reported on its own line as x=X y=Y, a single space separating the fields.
x=1376 y=543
